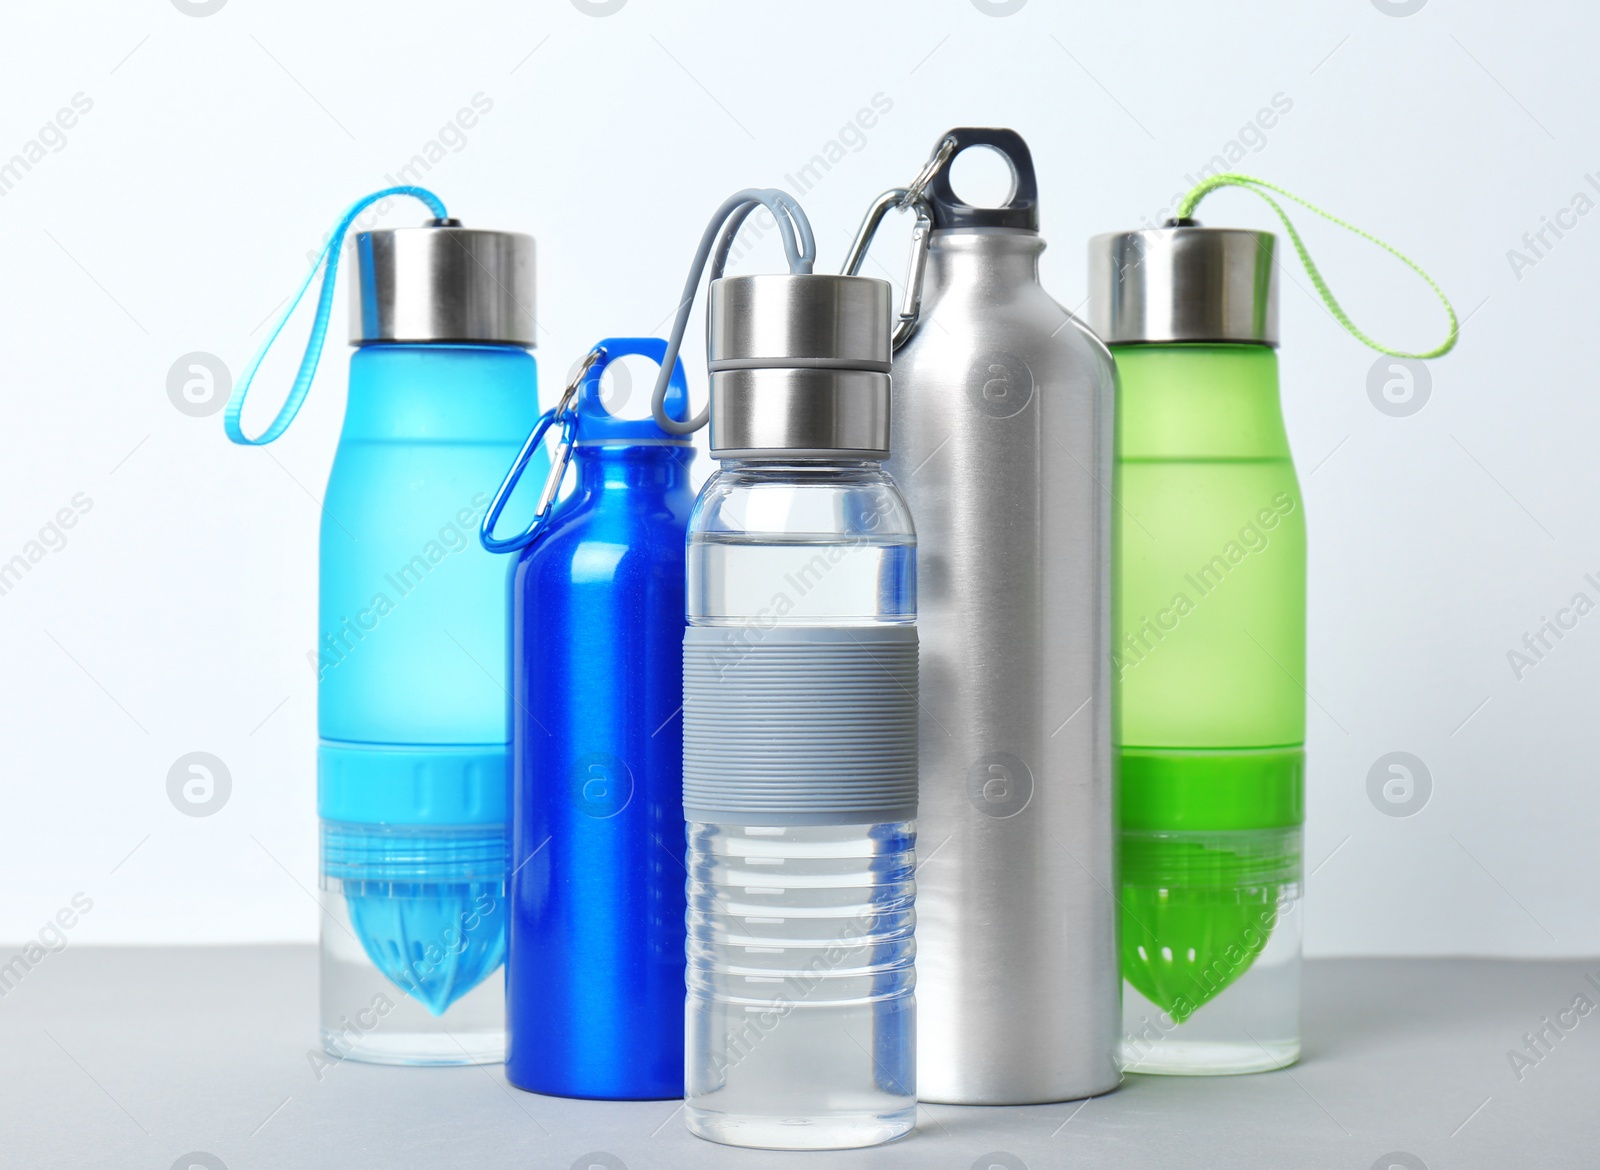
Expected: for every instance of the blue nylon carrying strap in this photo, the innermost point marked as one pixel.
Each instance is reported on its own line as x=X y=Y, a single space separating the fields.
x=328 y=262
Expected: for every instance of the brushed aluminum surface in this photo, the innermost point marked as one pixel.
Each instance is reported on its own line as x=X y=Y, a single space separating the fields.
x=595 y=968
x=777 y=319
x=799 y=366
x=1188 y=283
x=442 y=284
x=803 y=413
x=1003 y=447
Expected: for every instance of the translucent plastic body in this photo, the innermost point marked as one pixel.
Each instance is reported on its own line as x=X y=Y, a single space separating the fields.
x=413 y=941
x=801 y=1021
x=1229 y=1001
x=411 y=663
x=1209 y=670
x=411 y=651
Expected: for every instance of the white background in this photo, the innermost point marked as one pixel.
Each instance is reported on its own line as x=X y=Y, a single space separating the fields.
x=219 y=149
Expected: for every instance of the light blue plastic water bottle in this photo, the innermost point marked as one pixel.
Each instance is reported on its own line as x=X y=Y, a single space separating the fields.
x=411 y=651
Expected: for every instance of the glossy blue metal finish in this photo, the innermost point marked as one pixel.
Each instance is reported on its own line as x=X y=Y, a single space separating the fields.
x=595 y=972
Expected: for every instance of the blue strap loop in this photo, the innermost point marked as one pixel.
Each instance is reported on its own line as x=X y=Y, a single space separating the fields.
x=328 y=261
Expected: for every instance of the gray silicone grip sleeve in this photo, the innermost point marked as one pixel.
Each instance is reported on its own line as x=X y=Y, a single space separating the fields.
x=800 y=725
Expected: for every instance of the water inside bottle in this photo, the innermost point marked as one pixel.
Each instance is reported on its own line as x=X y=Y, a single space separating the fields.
x=801 y=1009
x=801 y=1018
x=369 y=1018
x=770 y=580
x=1251 y=1026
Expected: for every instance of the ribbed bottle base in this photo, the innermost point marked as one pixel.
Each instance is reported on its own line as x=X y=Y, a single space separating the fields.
x=801 y=1019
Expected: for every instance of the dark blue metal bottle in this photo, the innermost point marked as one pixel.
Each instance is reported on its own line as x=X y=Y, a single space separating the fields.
x=595 y=970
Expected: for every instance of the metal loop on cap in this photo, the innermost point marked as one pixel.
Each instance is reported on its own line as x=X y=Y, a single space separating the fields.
x=932 y=167
x=915 y=198
x=566 y=414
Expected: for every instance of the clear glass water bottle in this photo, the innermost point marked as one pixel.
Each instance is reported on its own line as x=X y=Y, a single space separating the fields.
x=800 y=730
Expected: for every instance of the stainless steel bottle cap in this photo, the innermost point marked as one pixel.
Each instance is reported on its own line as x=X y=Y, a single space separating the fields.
x=799 y=366
x=442 y=284
x=1184 y=283
x=820 y=321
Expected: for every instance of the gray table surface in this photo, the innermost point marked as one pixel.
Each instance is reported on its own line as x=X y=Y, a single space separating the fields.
x=136 y=1057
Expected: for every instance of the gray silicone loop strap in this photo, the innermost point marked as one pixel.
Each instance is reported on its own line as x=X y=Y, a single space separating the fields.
x=800 y=726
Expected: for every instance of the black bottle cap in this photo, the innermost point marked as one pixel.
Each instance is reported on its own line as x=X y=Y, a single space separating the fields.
x=1021 y=211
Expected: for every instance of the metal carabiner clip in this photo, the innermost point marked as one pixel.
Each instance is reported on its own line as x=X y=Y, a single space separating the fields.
x=565 y=413
x=912 y=197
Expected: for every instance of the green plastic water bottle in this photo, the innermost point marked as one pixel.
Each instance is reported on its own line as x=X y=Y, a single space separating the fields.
x=1209 y=644
x=1208 y=653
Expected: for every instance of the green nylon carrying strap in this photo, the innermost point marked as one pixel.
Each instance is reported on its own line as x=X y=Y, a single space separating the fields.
x=1261 y=187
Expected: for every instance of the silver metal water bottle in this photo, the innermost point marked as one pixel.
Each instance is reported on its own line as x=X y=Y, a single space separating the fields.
x=1003 y=445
